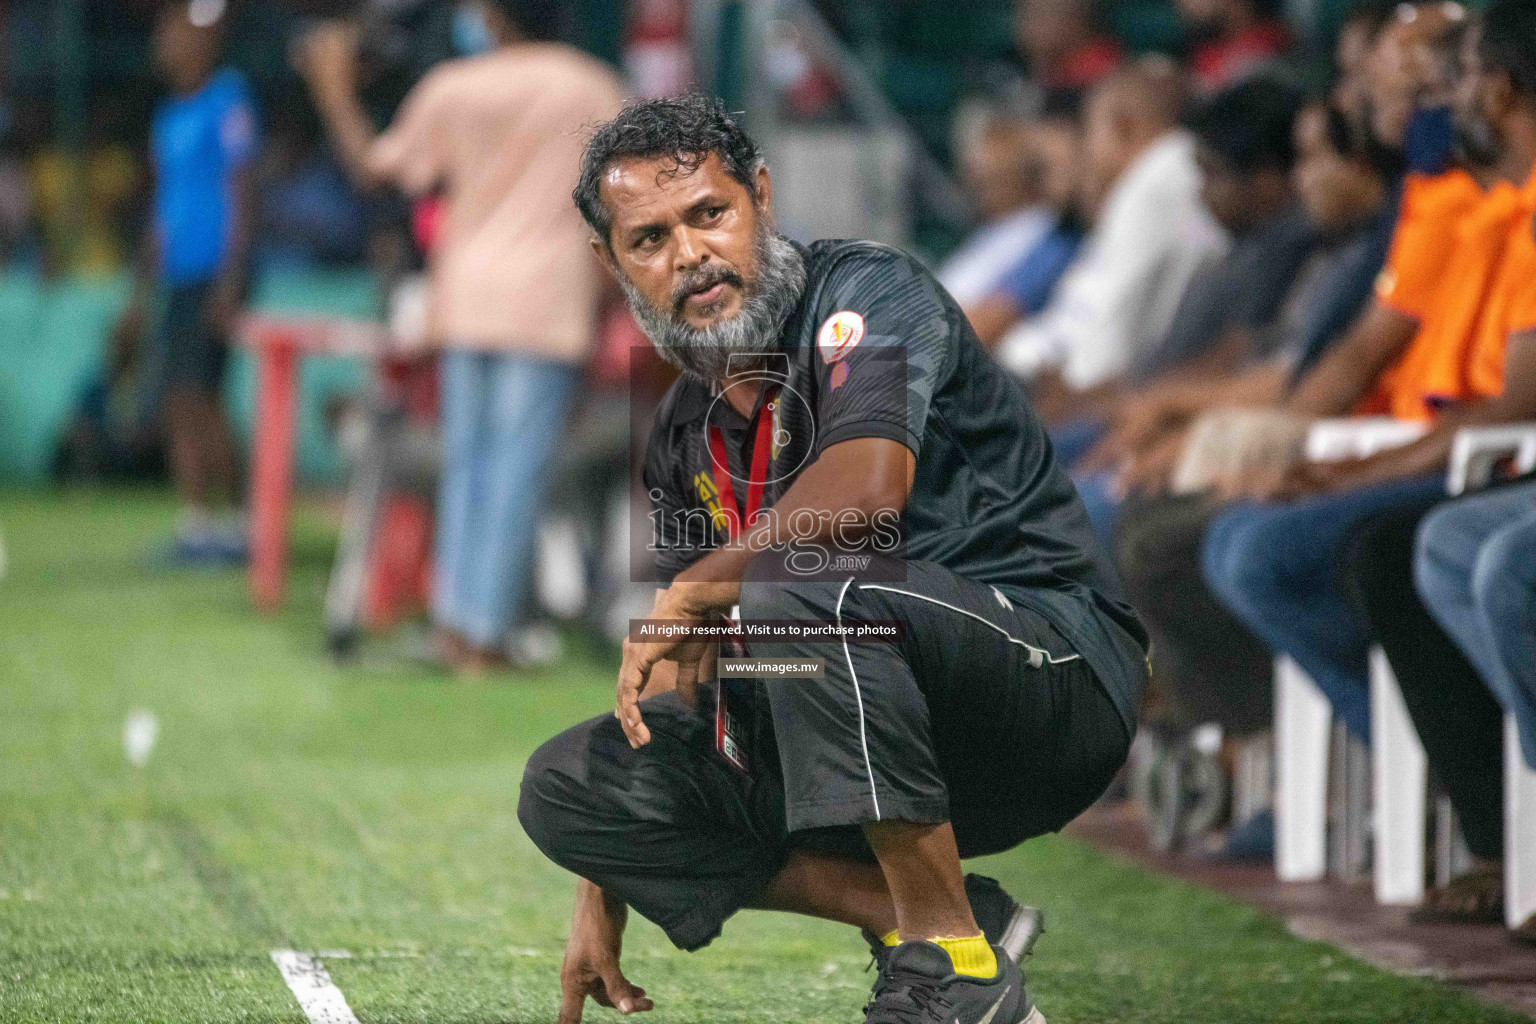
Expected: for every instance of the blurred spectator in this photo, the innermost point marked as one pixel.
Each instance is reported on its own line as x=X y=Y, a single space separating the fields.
x=1455 y=714
x=1474 y=569
x=1404 y=78
x=1000 y=170
x=1160 y=539
x=1473 y=555
x=1021 y=286
x=1066 y=43
x=1151 y=236
x=1277 y=565
x=1343 y=181
x=1244 y=147
x=1229 y=315
x=203 y=145
x=1232 y=39
x=514 y=285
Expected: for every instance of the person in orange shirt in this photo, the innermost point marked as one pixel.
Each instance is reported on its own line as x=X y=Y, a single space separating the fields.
x=1276 y=565
x=1475 y=580
x=1431 y=374
x=1449 y=593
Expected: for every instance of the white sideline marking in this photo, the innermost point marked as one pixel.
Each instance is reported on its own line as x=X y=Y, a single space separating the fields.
x=308 y=980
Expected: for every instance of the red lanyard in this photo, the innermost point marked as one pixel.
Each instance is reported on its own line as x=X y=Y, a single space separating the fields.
x=762 y=449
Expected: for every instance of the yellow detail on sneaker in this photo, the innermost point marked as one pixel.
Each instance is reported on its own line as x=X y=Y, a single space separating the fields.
x=972 y=956
x=891 y=938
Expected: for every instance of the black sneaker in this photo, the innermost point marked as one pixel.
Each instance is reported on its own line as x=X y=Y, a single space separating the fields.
x=1002 y=920
x=919 y=986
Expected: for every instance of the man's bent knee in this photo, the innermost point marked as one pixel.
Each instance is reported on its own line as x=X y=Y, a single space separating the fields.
x=548 y=804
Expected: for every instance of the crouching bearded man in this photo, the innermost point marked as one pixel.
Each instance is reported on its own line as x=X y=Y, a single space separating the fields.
x=831 y=398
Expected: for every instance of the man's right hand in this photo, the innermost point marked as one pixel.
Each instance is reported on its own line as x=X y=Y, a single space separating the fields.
x=591 y=966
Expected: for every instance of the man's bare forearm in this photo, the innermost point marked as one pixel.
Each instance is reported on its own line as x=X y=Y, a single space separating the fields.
x=835 y=499
x=1346 y=373
x=350 y=130
x=1432 y=452
x=592 y=898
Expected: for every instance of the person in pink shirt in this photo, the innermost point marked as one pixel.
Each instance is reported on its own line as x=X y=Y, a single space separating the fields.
x=514 y=290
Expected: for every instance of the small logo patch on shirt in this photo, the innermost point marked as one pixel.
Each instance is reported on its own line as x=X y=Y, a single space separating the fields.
x=841 y=331
x=839 y=375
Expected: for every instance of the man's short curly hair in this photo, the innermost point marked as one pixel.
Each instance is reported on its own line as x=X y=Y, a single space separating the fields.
x=684 y=129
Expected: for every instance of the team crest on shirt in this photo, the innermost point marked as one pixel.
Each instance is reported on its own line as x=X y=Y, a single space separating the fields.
x=841 y=331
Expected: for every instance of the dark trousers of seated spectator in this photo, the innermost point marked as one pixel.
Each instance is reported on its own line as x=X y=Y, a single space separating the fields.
x=1205 y=663
x=1277 y=567
x=1455 y=715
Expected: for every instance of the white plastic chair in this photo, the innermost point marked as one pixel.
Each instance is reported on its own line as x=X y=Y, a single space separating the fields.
x=1476 y=452
x=1303 y=717
x=1400 y=779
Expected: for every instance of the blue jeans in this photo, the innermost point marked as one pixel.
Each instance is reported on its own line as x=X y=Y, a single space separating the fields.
x=502 y=417
x=1475 y=567
x=1277 y=568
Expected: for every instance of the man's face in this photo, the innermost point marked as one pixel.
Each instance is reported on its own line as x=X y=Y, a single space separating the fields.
x=684 y=238
x=996 y=166
x=1337 y=192
x=1047 y=29
x=183 y=52
x=1477 y=138
x=709 y=280
x=1223 y=190
x=1107 y=147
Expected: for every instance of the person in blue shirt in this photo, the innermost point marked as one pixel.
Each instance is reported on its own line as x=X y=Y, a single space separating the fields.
x=193 y=259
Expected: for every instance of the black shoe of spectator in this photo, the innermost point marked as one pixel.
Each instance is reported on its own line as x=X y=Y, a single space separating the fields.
x=1477 y=897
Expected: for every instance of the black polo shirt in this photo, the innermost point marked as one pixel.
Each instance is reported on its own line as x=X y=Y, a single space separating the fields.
x=877 y=348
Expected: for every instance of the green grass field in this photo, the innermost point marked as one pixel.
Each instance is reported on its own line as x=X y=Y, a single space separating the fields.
x=290 y=804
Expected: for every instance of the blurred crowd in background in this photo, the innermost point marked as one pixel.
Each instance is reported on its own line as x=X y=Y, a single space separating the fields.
x=1191 y=231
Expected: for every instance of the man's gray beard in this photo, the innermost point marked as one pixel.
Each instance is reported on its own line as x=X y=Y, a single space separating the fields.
x=766 y=303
